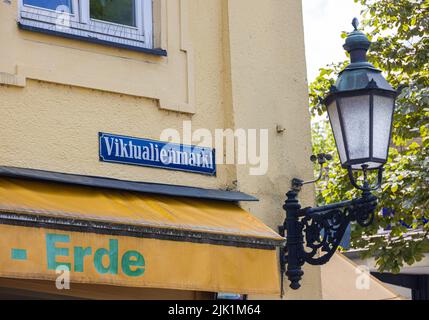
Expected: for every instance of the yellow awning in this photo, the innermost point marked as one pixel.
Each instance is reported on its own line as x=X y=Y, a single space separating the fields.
x=127 y=238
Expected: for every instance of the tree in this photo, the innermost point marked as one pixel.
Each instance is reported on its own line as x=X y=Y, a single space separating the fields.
x=399 y=30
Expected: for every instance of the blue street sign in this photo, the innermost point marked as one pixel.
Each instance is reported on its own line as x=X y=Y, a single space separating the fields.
x=151 y=153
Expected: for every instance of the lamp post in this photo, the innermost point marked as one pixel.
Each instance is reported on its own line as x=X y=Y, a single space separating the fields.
x=360 y=107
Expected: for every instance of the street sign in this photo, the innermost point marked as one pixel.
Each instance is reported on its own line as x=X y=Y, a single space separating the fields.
x=158 y=154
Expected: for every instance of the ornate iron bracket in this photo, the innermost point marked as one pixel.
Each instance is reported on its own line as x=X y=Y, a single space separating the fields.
x=314 y=234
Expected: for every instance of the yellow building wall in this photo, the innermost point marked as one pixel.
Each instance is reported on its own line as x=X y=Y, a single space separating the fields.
x=230 y=64
x=269 y=88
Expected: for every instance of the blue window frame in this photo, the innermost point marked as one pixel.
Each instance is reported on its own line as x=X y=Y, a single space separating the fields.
x=50 y=4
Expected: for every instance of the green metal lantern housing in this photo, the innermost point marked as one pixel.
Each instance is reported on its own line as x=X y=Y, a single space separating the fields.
x=361 y=107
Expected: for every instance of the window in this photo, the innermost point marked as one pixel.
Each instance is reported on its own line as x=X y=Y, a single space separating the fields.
x=121 y=22
x=49 y=4
x=119 y=11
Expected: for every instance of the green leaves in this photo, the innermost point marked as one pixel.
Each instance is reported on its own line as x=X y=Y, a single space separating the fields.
x=400 y=35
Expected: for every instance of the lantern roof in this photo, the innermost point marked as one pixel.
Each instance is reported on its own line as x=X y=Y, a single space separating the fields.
x=359 y=74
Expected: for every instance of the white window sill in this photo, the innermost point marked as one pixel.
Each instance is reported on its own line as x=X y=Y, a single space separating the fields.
x=75 y=31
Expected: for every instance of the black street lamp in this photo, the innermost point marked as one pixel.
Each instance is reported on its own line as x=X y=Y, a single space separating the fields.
x=360 y=108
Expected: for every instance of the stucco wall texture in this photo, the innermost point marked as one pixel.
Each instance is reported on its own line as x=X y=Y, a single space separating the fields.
x=230 y=64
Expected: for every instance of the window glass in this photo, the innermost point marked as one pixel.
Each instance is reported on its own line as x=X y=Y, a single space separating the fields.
x=60 y=5
x=116 y=11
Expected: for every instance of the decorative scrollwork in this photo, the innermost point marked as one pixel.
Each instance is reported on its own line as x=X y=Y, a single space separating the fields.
x=364 y=213
x=323 y=233
x=314 y=234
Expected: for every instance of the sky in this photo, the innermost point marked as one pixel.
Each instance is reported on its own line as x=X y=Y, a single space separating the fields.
x=324 y=20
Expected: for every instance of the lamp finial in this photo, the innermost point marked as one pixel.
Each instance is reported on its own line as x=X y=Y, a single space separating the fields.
x=357 y=44
x=355 y=23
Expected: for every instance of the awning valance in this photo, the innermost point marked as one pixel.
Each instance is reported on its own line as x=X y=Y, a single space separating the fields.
x=127 y=238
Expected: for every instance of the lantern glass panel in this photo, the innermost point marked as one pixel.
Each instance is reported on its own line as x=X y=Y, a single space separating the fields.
x=383 y=112
x=334 y=118
x=355 y=113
